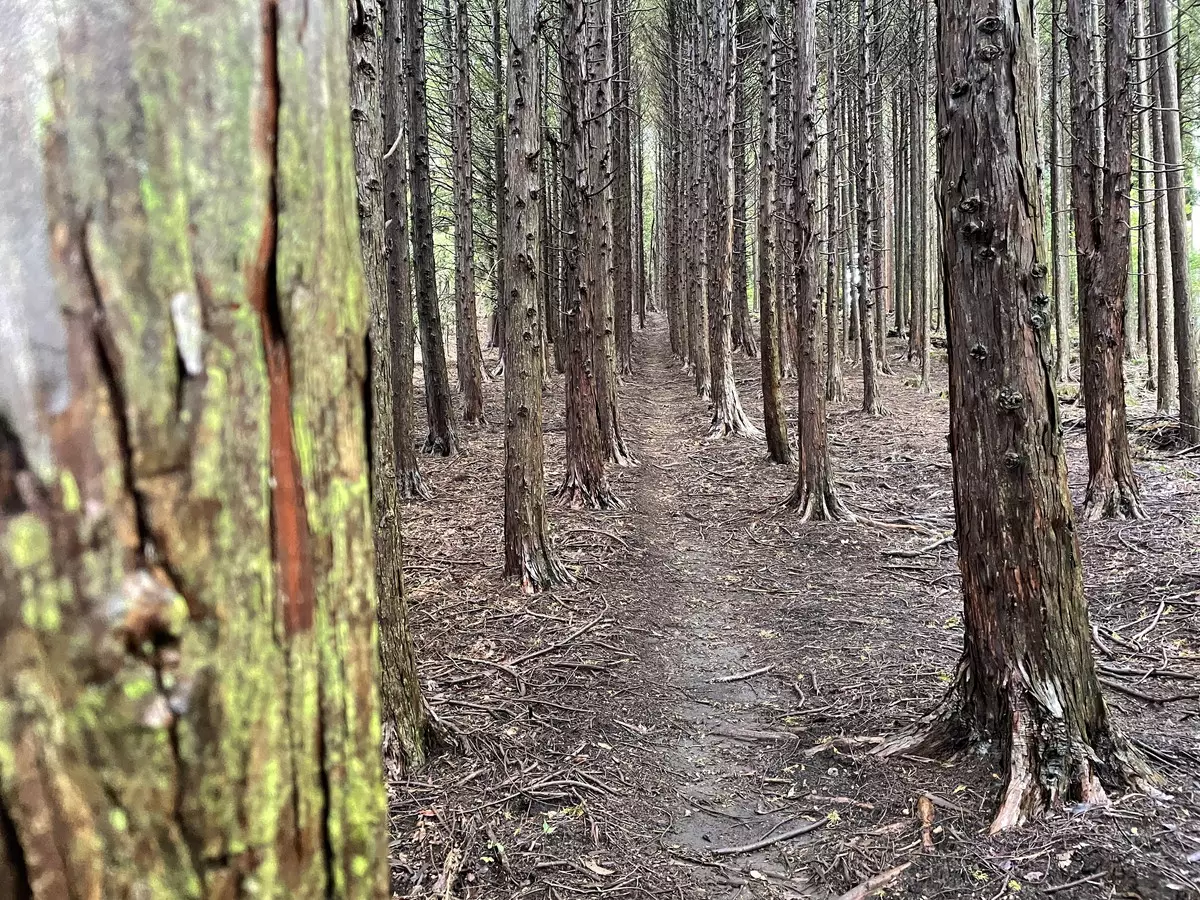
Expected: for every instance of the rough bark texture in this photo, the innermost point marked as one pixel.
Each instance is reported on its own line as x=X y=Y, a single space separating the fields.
x=1100 y=181
x=439 y=409
x=188 y=650
x=815 y=497
x=528 y=553
x=585 y=482
x=499 y=163
x=695 y=263
x=1027 y=680
x=399 y=689
x=466 y=324
x=398 y=249
x=774 y=414
x=1184 y=325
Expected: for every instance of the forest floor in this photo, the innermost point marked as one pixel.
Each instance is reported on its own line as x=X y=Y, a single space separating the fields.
x=721 y=673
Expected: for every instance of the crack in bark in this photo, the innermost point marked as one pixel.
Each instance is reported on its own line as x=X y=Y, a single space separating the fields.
x=289 y=518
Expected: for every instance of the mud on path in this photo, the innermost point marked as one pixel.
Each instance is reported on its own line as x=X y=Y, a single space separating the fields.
x=718 y=676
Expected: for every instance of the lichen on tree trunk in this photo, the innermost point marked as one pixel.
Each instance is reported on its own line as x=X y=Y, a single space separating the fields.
x=188 y=648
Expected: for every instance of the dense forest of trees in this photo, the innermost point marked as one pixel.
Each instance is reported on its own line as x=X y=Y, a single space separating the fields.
x=228 y=228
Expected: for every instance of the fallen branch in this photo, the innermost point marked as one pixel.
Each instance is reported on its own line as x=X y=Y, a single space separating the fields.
x=742 y=676
x=874 y=883
x=558 y=645
x=772 y=840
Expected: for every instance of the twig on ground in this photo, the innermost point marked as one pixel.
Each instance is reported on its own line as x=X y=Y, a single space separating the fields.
x=1086 y=879
x=771 y=841
x=742 y=676
x=874 y=883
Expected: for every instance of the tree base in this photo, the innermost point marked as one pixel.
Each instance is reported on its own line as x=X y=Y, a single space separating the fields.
x=818 y=503
x=1047 y=761
x=577 y=493
x=538 y=567
x=1112 y=499
x=412 y=485
x=440 y=444
x=729 y=419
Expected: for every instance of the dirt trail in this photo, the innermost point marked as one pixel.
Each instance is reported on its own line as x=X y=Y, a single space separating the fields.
x=612 y=741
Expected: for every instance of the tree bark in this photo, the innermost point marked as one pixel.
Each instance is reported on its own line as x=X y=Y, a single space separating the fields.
x=470 y=357
x=815 y=497
x=182 y=416
x=1101 y=175
x=774 y=414
x=439 y=410
x=622 y=180
x=1184 y=326
x=528 y=553
x=1027 y=680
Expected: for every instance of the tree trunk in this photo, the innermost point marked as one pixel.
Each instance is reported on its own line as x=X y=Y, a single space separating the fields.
x=1147 y=200
x=400 y=691
x=1185 y=329
x=696 y=263
x=774 y=414
x=742 y=328
x=184 y=437
x=1060 y=278
x=920 y=296
x=470 y=358
x=622 y=180
x=439 y=410
x=1101 y=180
x=814 y=497
x=865 y=192
x=834 y=390
x=397 y=250
x=1027 y=679
x=1164 y=300
x=585 y=482
x=528 y=553
x=499 y=162
x=728 y=417
x=597 y=252
x=639 y=207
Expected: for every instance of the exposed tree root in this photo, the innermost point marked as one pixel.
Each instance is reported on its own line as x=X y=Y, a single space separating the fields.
x=412 y=485
x=440 y=444
x=577 y=492
x=818 y=503
x=1048 y=761
x=1112 y=498
x=729 y=417
x=540 y=568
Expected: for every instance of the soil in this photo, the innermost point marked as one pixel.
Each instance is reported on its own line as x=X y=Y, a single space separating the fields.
x=721 y=673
